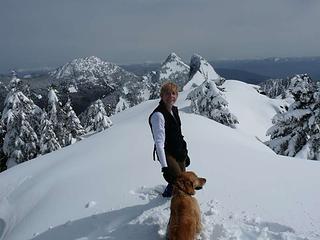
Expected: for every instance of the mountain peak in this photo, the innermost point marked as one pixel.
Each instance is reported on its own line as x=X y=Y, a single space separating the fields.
x=198 y=63
x=201 y=70
x=174 y=69
x=195 y=63
x=173 y=57
x=84 y=67
x=92 y=59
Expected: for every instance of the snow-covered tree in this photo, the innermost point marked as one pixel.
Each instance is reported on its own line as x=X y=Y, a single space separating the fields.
x=296 y=132
x=48 y=140
x=312 y=150
x=73 y=125
x=21 y=118
x=21 y=141
x=3 y=157
x=53 y=106
x=275 y=87
x=95 y=118
x=58 y=117
x=207 y=100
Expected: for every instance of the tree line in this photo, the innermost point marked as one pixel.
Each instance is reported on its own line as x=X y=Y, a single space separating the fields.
x=27 y=131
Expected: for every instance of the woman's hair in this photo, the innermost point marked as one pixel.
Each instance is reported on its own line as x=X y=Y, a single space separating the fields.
x=168 y=87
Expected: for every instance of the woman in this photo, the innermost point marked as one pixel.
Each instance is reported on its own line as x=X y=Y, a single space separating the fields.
x=170 y=146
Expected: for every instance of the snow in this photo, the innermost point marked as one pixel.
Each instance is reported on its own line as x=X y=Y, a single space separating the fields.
x=121 y=105
x=52 y=97
x=27 y=76
x=90 y=68
x=72 y=89
x=202 y=71
x=107 y=186
x=125 y=90
x=173 y=65
x=196 y=80
x=254 y=111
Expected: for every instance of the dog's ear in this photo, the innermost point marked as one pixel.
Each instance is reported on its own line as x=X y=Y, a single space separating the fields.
x=201 y=182
x=185 y=185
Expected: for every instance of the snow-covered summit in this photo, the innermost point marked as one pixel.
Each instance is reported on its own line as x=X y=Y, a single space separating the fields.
x=91 y=78
x=172 y=57
x=201 y=70
x=198 y=63
x=174 y=69
x=91 y=69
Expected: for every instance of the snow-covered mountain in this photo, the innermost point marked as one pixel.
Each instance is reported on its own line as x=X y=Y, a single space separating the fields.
x=201 y=70
x=92 y=69
x=173 y=69
x=107 y=187
x=91 y=78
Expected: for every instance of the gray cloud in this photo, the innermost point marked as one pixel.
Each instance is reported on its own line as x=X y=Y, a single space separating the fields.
x=38 y=33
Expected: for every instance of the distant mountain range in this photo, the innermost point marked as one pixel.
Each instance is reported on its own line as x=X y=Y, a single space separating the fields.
x=86 y=79
x=274 y=67
x=252 y=70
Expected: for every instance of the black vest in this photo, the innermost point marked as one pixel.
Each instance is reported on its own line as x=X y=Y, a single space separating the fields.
x=174 y=142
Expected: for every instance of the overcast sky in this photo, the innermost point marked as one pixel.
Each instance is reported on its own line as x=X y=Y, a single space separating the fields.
x=38 y=33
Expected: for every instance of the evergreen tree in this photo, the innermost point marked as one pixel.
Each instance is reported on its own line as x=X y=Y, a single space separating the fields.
x=207 y=100
x=95 y=117
x=53 y=106
x=296 y=132
x=21 y=119
x=58 y=118
x=3 y=157
x=73 y=125
x=48 y=140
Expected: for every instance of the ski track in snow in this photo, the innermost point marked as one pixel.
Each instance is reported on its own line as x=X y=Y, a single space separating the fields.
x=149 y=221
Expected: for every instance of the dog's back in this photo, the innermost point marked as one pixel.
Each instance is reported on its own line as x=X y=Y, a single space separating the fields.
x=185 y=218
x=184 y=223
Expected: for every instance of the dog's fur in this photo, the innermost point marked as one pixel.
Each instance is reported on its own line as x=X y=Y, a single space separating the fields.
x=185 y=219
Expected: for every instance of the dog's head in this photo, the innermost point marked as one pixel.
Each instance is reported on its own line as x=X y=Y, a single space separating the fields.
x=188 y=182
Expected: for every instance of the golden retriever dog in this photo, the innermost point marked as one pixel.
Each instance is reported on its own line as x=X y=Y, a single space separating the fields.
x=185 y=218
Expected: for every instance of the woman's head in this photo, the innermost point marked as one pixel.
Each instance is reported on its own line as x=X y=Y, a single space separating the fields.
x=169 y=93
x=168 y=87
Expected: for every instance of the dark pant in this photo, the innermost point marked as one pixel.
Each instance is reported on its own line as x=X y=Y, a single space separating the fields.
x=175 y=167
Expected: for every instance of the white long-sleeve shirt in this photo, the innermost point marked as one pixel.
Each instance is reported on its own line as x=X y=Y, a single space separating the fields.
x=159 y=136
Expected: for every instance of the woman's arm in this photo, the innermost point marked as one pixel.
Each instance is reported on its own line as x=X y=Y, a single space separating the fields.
x=159 y=136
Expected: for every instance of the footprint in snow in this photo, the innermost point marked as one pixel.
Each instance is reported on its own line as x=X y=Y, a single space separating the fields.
x=146 y=193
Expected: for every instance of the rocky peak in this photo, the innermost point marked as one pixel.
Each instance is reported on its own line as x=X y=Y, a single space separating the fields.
x=172 y=57
x=173 y=69
x=198 y=63
x=201 y=70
